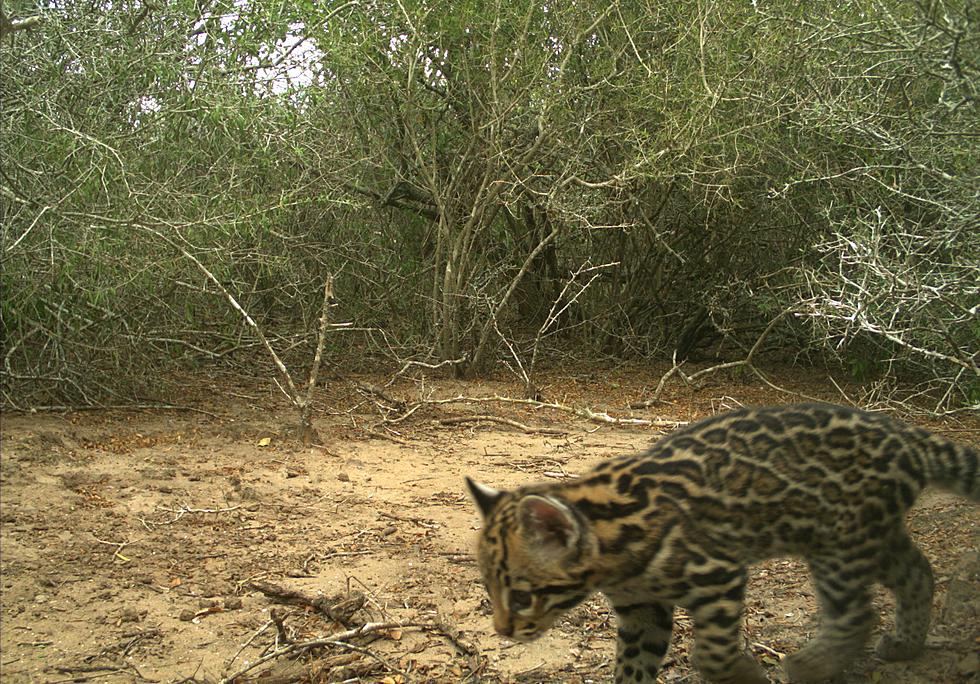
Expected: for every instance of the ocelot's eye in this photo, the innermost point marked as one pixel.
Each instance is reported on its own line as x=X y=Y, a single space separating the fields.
x=519 y=599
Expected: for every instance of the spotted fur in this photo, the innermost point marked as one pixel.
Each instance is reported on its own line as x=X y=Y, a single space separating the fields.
x=679 y=524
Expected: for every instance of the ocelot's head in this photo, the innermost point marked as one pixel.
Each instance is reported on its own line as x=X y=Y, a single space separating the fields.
x=534 y=554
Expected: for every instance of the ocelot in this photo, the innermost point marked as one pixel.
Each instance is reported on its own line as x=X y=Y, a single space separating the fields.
x=679 y=524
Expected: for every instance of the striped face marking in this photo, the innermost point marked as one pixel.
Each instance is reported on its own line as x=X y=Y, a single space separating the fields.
x=522 y=554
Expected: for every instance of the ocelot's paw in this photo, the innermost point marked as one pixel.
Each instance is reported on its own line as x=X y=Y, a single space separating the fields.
x=745 y=671
x=813 y=665
x=891 y=647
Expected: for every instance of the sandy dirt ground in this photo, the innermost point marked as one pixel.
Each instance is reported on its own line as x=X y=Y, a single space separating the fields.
x=189 y=545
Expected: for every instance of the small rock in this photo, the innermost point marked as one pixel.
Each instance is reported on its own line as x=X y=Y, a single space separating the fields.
x=962 y=602
x=969 y=665
x=233 y=603
x=186 y=615
x=343 y=477
x=41 y=598
x=158 y=473
x=391 y=529
x=130 y=615
x=214 y=589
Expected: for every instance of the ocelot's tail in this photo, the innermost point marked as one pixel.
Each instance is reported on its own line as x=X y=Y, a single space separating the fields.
x=953 y=466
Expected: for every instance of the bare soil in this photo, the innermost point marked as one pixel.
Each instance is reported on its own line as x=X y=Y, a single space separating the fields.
x=143 y=545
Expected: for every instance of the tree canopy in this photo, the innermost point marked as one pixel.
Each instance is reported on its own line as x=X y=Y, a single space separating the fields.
x=495 y=182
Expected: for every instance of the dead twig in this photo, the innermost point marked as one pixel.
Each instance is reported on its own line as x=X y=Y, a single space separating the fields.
x=248 y=642
x=182 y=510
x=655 y=399
x=375 y=391
x=422 y=364
x=339 y=639
x=421 y=522
x=765 y=649
x=97 y=671
x=67 y=669
x=457 y=557
x=403 y=416
x=747 y=362
x=371 y=654
x=119 y=547
x=336 y=554
x=452 y=636
x=95 y=675
x=303 y=402
x=282 y=636
x=384 y=435
x=128 y=643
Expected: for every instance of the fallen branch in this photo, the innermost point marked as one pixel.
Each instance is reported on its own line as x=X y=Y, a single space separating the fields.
x=587 y=413
x=95 y=675
x=68 y=408
x=504 y=421
x=338 y=608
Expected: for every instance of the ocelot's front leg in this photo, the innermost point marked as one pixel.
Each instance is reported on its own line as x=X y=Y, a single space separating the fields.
x=718 y=651
x=642 y=638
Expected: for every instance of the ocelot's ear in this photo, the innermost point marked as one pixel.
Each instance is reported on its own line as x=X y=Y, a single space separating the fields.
x=486 y=498
x=548 y=522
